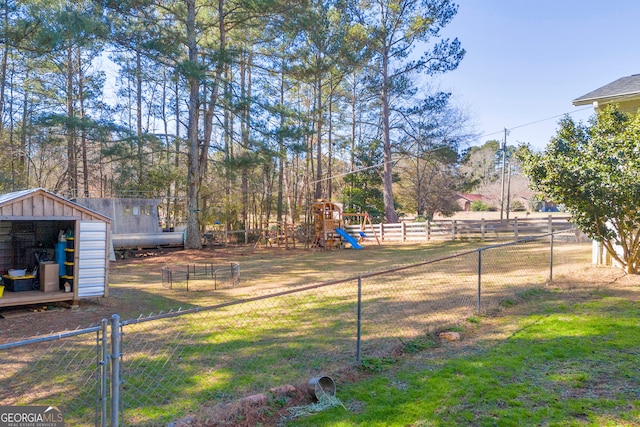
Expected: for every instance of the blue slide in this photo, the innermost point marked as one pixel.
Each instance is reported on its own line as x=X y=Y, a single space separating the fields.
x=353 y=242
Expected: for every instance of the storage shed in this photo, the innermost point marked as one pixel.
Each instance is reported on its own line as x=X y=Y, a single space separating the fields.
x=57 y=249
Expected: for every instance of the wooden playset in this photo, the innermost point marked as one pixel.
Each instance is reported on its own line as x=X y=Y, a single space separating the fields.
x=328 y=229
x=329 y=222
x=280 y=235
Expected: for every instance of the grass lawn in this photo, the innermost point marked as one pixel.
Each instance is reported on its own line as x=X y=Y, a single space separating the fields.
x=174 y=366
x=567 y=355
x=135 y=284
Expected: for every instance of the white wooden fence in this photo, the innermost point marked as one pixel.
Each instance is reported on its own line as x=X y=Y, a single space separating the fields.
x=482 y=229
x=455 y=229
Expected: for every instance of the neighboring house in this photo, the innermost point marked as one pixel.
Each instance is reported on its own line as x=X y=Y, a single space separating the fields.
x=465 y=200
x=625 y=92
x=524 y=200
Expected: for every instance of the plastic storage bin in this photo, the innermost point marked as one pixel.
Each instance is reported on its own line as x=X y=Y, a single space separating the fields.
x=18 y=284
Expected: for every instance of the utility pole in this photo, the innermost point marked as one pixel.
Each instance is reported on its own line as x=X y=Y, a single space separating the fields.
x=504 y=160
x=508 y=189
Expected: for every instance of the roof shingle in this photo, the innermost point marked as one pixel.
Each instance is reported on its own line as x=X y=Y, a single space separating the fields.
x=624 y=87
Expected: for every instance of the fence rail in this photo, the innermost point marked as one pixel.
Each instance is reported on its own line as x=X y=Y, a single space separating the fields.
x=412 y=231
x=159 y=368
x=481 y=229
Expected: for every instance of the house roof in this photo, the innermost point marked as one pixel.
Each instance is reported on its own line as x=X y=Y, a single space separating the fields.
x=42 y=203
x=621 y=89
x=471 y=197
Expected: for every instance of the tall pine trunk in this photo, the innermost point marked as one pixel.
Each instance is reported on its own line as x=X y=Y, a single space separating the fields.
x=72 y=169
x=193 y=178
x=3 y=68
x=83 y=132
x=139 y=113
x=389 y=208
x=318 y=192
x=282 y=153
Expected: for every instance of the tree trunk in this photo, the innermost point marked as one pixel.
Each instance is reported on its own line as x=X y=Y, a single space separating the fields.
x=389 y=208
x=72 y=168
x=290 y=200
x=83 y=132
x=23 y=164
x=318 y=192
x=12 y=147
x=171 y=216
x=193 y=178
x=330 y=142
x=227 y=132
x=165 y=124
x=245 y=83
x=3 y=68
x=352 y=159
x=139 y=112
x=213 y=97
x=281 y=147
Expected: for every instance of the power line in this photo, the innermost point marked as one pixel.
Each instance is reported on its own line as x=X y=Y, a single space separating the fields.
x=371 y=167
x=535 y=122
x=505 y=131
x=349 y=173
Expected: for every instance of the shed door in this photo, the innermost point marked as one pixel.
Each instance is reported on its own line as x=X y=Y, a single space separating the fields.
x=92 y=259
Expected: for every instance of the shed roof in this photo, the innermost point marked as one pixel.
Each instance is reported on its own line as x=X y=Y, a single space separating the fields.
x=621 y=89
x=41 y=203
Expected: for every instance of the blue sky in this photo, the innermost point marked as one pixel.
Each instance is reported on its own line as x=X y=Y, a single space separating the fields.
x=528 y=59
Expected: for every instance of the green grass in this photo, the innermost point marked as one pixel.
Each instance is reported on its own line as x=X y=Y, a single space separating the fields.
x=172 y=367
x=575 y=366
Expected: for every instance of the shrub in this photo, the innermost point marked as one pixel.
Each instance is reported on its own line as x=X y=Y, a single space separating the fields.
x=480 y=206
x=517 y=206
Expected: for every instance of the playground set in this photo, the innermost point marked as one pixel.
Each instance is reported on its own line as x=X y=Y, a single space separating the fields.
x=281 y=235
x=328 y=229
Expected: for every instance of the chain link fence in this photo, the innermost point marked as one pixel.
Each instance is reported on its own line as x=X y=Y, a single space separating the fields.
x=163 y=366
x=67 y=370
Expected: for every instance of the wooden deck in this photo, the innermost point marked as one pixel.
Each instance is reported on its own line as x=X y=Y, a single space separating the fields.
x=11 y=299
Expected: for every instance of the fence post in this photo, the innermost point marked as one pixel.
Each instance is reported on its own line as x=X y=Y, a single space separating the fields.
x=453 y=229
x=104 y=356
x=428 y=230
x=482 y=228
x=115 y=370
x=551 y=258
x=515 y=228
x=403 y=228
x=382 y=232
x=359 y=323
x=479 y=277
x=550 y=225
